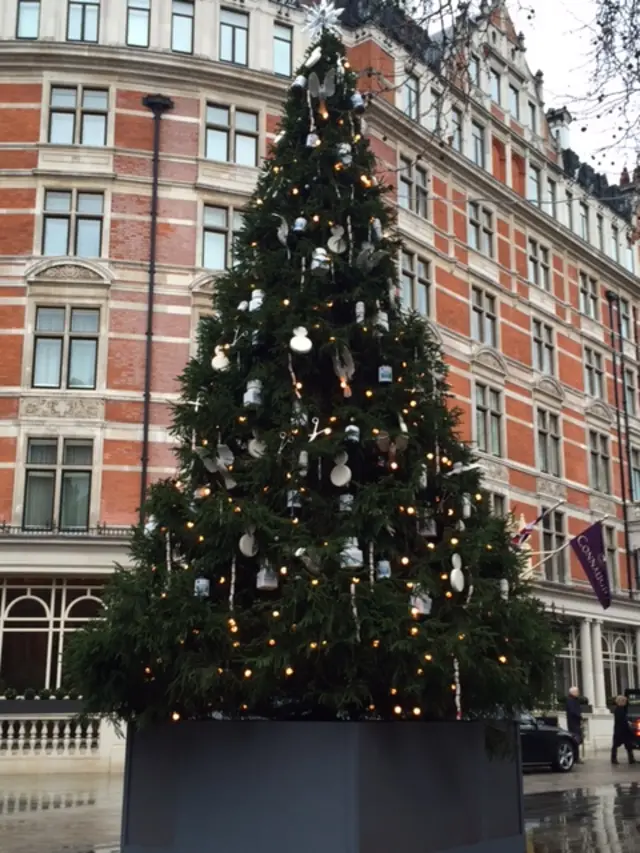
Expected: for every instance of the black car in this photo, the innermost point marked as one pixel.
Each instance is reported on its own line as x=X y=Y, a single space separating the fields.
x=544 y=744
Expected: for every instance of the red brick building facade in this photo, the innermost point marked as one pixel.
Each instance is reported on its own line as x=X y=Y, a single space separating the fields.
x=506 y=251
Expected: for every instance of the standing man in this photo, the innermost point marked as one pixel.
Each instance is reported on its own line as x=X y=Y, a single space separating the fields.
x=621 y=731
x=574 y=716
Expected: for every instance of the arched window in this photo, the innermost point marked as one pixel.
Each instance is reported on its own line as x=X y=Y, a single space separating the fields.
x=25 y=641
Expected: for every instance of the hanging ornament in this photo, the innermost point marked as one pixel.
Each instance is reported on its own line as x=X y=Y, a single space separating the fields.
x=456 y=684
x=243 y=306
x=345 y=154
x=381 y=321
x=201 y=587
x=427 y=526
x=310 y=560
x=266 y=578
x=376 y=229
x=360 y=312
x=466 y=506
x=344 y=367
x=256 y=447
x=299 y=417
x=320 y=261
x=299 y=84
x=385 y=374
x=352 y=432
x=314 y=57
x=504 y=589
x=340 y=476
x=247 y=544
x=300 y=341
x=313 y=140
x=462 y=468
x=456 y=578
x=420 y=602
x=358 y=104
x=150 y=525
x=337 y=243
x=232 y=585
x=345 y=503
x=220 y=361
x=303 y=463
x=322 y=91
x=368 y=257
x=351 y=557
x=283 y=233
x=253 y=394
x=294 y=500
x=317 y=431
x=299 y=225
x=383 y=569
x=257 y=299
x=279 y=137
x=424 y=477
x=322 y=16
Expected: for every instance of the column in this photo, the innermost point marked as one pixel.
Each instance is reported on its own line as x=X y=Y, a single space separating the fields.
x=587 y=660
x=598 y=667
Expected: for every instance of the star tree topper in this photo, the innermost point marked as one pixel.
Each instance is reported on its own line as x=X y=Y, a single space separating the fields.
x=323 y=16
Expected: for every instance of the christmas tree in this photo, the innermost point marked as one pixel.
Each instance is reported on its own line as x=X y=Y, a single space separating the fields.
x=326 y=550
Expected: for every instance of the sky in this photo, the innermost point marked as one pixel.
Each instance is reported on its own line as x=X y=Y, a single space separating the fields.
x=557 y=41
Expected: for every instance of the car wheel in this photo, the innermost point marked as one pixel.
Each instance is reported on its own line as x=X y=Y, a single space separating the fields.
x=565 y=756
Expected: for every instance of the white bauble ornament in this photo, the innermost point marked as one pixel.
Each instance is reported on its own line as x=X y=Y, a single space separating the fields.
x=466 y=506
x=357 y=102
x=248 y=545
x=300 y=342
x=299 y=83
x=266 y=578
x=320 y=261
x=202 y=587
x=345 y=503
x=337 y=243
x=150 y=524
x=313 y=140
x=299 y=225
x=243 y=306
x=341 y=458
x=376 y=229
x=360 y=312
x=253 y=394
x=456 y=578
x=220 y=361
x=345 y=154
x=256 y=448
x=257 y=298
x=352 y=432
x=383 y=569
x=340 y=476
x=351 y=556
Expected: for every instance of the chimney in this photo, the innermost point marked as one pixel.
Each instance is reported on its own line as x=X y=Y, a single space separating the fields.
x=625 y=180
x=559 y=121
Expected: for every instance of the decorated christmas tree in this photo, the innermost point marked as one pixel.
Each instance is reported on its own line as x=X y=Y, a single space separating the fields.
x=326 y=550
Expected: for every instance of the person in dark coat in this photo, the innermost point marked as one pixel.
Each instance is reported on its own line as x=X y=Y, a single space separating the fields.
x=621 y=731
x=574 y=714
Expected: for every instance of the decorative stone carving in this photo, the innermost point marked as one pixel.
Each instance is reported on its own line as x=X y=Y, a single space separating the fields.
x=72 y=408
x=601 y=505
x=551 y=488
x=490 y=360
x=67 y=272
x=600 y=410
x=434 y=331
x=550 y=387
x=204 y=283
x=494 y=470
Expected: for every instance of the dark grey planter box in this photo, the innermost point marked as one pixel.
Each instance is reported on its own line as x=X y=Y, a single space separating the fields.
x=307 y=787
x=41 y=706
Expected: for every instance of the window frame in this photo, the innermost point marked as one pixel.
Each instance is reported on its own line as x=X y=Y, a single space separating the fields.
x=479 y=144
x=234 y=46
x=533 y=117
x=411 y=97
x=474 y=69
x=611 y=553
x=484 y=317
x=19 y=5
x=279 y=25
x=600 y=231
x=514 y=100
x=548 y=442
x=635 y=474
x=83 y=4
x=594 y=373
x=58 y=469
x=232 y=132
x=569 y=203
x=488 y=414
x=534 y=184
x=191 y=18
x=624 y=307
x=230 y=232
x=130 y=6
x=480 y=223
x=599 y=462
x=73 y=216
x=552 y=191
x=544 y=349
x=415 y=273
x=78 y=112
x=495 y=86
x=630 y=390
x=539 y=267
x=585 y=223
x=554 y=566
x=67 y=336
x=457 y=124
x=589 y=296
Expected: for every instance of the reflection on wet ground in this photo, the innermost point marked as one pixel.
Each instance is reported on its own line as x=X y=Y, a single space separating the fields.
x=595 y=809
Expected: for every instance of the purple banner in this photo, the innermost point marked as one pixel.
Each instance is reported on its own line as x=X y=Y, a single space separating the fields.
x=589 y=546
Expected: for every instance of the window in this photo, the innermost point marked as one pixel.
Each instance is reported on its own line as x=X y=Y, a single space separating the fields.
x=611 y=550
x=635 y=474
x=625 y=318
x=138 y=22
x=182 y=14
x=615 y=243
x=217 y=250
x=65 y=347
x=411 y=97
x=539 y=265
x=474 y=70
x=584 y=221
x=630 y=391
x=533 y=185
x=600 y=230
x=599 y=466
x=549 y=440
x=28 y=22
x=477 y=144
x=72 y=223
x=514 y=102
x=553 y=198
x=619 y=661
x=483 y=317
x=282 y=50
x=594 y=376
x=488 y=420
x=533 y=117
x=569 y=197
x=82 y=20
x=480 y=228
x=415 y=282
x=553 y=541
x=494 y=85
x=58 y=484
x=543 y=348
x=78 y=116
x=234 y=37
x=456 y=130
x=232 y=135
x=588 y=296
x=413 y=191
x=497 y=504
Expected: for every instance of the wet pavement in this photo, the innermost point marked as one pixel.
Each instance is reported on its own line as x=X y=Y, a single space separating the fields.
x=595 y=809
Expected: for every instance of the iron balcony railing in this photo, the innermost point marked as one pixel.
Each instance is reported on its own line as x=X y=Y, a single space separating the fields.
x=103 y=531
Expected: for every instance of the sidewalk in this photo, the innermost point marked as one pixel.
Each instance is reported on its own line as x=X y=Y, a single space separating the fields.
x=596 y=771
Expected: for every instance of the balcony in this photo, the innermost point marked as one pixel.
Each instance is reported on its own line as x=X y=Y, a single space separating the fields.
x=101 y=531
